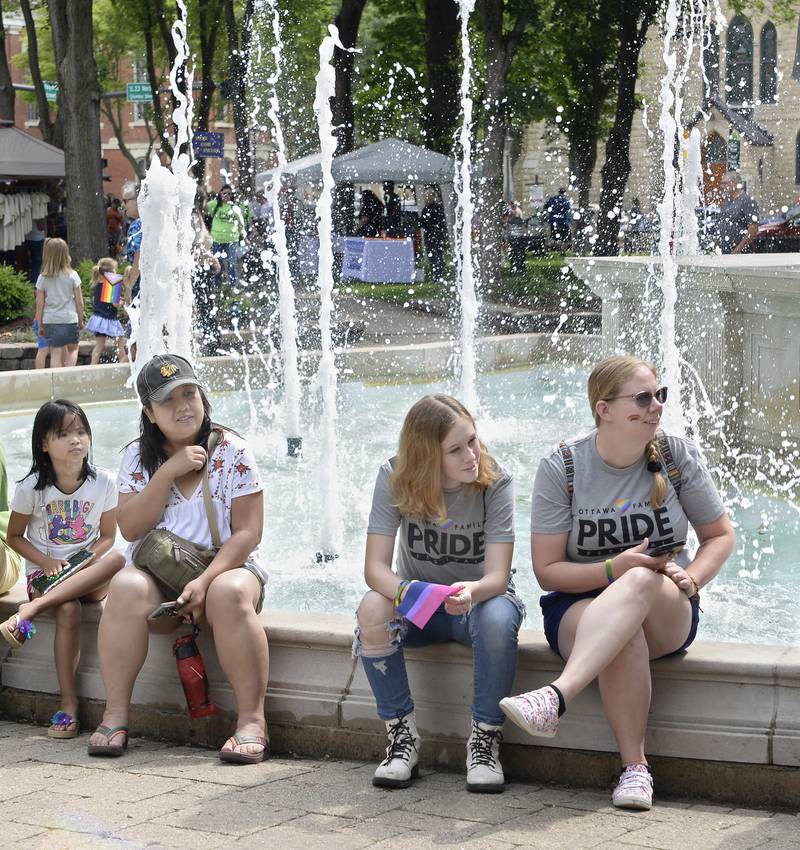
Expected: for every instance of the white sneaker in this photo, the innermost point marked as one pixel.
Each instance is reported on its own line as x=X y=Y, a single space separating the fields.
x=535 y=711
x=484 y=771
x=634 y=789
x=399 y=767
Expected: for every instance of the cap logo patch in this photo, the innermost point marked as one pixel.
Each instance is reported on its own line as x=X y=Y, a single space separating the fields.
x=168 y=370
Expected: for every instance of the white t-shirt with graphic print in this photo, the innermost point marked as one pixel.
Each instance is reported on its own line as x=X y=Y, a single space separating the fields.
x=232 y=473
x=62 y=524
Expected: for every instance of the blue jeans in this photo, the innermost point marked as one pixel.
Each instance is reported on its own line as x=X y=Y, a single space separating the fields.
x=491 y=629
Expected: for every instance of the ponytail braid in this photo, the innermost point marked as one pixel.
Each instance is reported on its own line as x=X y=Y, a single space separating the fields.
x=658 y=491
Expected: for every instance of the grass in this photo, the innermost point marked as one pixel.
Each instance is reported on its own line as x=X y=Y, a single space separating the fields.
x=547 y=284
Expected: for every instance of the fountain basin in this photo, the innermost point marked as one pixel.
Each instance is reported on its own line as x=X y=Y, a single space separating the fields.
x=725 y=719
x=724 y=722
x=737 y=324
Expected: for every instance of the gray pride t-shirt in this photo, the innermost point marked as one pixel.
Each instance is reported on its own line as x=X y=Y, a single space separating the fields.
x=610 y=509
x=451 y=551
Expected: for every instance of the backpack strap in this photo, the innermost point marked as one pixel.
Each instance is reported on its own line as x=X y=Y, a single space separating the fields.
x=210 y=515
x=569 y=467
x=673 y=473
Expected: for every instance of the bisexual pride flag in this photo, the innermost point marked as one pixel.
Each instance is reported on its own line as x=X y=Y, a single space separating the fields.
x=111 y=288
x=422 y=599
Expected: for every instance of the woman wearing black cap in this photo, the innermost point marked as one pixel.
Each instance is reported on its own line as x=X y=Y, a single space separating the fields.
x=160 y=484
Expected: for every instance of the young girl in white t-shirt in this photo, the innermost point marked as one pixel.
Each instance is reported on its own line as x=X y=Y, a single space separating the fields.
x=161 y=486
x=59 y=304
x=63 y=506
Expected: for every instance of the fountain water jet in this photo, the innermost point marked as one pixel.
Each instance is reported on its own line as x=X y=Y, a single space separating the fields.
x=464 y=214
x=330 y=526
x=288 y=317
x=165 y=205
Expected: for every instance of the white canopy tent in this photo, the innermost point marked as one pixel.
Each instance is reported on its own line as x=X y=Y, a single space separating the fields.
x=24 y=156
x=389 y=159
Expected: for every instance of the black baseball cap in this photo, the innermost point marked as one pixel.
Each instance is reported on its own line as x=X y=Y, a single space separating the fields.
x=161 y=375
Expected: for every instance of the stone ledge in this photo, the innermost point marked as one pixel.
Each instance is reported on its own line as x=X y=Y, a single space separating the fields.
x=27 y=389
x=725 y=713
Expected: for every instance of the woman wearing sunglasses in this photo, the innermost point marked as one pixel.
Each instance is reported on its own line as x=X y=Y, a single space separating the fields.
x=610 y=517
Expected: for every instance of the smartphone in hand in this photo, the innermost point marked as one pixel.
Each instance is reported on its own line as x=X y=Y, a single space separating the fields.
x=165 y=609
x=665 y=550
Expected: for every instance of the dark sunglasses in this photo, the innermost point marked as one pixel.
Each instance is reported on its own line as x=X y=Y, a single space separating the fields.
x=645 y=398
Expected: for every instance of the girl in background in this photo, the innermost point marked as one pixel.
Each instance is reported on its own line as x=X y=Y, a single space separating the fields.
x=104 y=321
x=62 y=507
x=59 y=304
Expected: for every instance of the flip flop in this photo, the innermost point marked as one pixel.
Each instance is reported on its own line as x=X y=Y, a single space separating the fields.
x=24 y=628
x=63 y=725
x=110 y=750
x=233 y=755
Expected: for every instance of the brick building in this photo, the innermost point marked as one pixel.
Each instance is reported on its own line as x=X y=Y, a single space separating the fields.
x=748 y=114
x=134 y=128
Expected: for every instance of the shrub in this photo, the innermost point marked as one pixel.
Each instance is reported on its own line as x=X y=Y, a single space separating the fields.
x=84 y=271
x=16 y=294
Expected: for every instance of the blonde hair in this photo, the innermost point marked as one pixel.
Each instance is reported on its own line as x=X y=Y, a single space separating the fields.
x=104 y=264
x=416 y=481
x=55 y=257
x=605 y=382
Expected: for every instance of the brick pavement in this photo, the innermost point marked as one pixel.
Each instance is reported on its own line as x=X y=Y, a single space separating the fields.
x=52 y=795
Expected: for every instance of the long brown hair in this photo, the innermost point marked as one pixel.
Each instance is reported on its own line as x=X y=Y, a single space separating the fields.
x=416 y=481
x=605 y=382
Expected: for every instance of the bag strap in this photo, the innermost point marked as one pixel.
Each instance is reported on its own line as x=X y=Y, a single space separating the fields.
x=569 y=467
x=210 y=513
x=673 y=473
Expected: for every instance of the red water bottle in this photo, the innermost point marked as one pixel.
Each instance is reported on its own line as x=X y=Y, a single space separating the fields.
x=193 y=677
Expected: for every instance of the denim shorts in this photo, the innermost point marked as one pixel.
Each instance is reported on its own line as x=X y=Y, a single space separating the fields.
x=555 y=604
x=59 y=334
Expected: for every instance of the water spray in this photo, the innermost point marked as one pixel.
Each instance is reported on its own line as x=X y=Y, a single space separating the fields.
x=464 y=214
x=166 y=200
x=330 y=526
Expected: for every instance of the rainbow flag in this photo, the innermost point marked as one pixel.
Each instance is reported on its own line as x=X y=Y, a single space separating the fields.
x=422 y=599
x=111 y=288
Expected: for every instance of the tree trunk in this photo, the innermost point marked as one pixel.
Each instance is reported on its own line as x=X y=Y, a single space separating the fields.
x=51 y=131
x=499 y=50
x=583 y=135
x=238 y=55
x=440 y=116
x=347 y=21
x=154 y=79
x=6 y=86
x=617 y=167
x=72 y=30
x=209 y=9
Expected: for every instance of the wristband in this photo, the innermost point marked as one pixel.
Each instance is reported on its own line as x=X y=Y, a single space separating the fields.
x=398 y=597
x=609 y=566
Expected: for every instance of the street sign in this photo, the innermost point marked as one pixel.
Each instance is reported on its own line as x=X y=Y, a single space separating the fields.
x=208 y=145
x=139 y=92
x=50 y=91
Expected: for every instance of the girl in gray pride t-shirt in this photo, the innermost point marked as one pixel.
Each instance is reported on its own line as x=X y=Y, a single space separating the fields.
x=454 y=508
x=599 y=504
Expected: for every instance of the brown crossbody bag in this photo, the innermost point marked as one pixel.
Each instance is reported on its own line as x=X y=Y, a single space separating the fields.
x=172 y=560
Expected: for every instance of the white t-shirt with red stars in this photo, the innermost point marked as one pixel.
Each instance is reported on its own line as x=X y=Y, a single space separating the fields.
x=232 y=473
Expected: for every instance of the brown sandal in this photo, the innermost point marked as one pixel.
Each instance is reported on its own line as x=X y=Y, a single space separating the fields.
x=110 y=750
x=233 y=755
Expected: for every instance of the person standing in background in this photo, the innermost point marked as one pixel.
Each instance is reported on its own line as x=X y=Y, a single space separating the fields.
x=738 y=216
